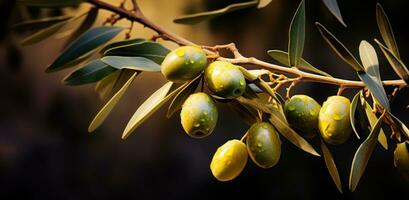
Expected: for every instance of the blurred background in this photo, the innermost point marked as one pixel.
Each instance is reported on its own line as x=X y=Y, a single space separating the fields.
x=46 y=152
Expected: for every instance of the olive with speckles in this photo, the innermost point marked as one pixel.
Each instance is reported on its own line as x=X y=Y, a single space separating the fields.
x=199 y=115
x=225 y=79
x=184 y=63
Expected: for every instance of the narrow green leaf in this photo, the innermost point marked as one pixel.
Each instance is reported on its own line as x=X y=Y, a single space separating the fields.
x=263 y=3
x=111 y=84
x=121 y=43
x=246 y=113
x=282 y=57
x=377 y=90
x=147 y=49
x=39 y=23
x=87 y=42
x=297 y=36
x=398 y=66
x=104 y=112
x=352 y=113
x=402 y=127
x=134 y=63
x=86 y=24
x=386 y=30
x=180 y=97
x=203 y=16
x=43 y=34
x=331 y=166
x=50 y=3
x=372 y=121
x=339 y=48
x=333 y=7
x=90 y=73
x=362 y=156
x=153 y=103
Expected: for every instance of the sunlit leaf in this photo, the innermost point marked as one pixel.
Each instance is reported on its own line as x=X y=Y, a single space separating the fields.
x=386 y=30
x=39 y=23
x=282 y=57
x=339 y=48
x=331 y=166
x=352 y=113
x=372 y=121
x=203 y=16
x=297 y=36
x=263 y=3
x=87 y=42
x=153 y=103
x=333 y=7
x=180 y=97
x=134 y=63
x=50 y=3
x=90 y=73
x=398 y=66
x=104 y=112
x=111 y=84
x=362 y=156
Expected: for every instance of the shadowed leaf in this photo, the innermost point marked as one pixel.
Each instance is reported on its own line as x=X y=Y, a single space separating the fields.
x=90 y=73
x=50 y=3
x=134 y=63
x=386 y=30
x=397 y=65
x=180 y=97
x=402 y=127
x=333 y=7
x=39 y=23
x=121 y=43
x=85 y=25
x=246 y=113
x=331 y=166
x=372 y=121
x=297 y=36
x=44 y=34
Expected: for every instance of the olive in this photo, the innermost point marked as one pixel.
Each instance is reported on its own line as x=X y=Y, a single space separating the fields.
x=401 y=158
x=199 y=115
x=263 y=144
x=229 y=160
x=333 y=120
x=301 y=112
x=184 y=63
x=225 y=79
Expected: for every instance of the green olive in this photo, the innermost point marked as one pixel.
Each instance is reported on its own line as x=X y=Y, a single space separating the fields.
x=199 y=115
x=301 y=112
x=333 y=120
x=263 y=144
x=184 y=63
x=225 y=79
x=401 y=158
x=229 y=160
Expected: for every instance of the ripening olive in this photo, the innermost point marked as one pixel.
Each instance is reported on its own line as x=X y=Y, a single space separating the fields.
x=225 y=79
x=263 y=144
x=333 y=120
x=184 y=63
x=199 y=115
x=229 y=160
x=301 y=112
x=401 y=158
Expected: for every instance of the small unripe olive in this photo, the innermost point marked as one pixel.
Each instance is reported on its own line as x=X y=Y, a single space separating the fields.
x=301 y=112
x=199 y=115
x=401 y=158
x=184 y=63
x=229 y=160
x=263 y=144
x=225 y=79
x=333 y=120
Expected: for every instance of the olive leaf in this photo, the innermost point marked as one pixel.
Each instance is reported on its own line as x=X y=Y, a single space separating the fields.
x=331 y=166
x=120 y=44
x=372 y=77
x=90 y=73
x=138 y=48
x=246 y=113
x=397 y=65
x=180 y=97
x=339 y=48
x=297 y=36
x=362 y=155
x=263 y=3
x=104 y=112
x=352 y=113
x=372 y=121
x=154 y=102
x=87 y=42
x=134 y=63
x=85 y=25
x=386 y=30
x=203 y=16
x=39 y=23
x=402 y=127
x=333 y=7
x=50 y=3
x=282 y=57
x=111 y=84
x=45 y=33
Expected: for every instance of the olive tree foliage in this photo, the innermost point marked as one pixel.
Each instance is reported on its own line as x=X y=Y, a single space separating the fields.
x=112 y=65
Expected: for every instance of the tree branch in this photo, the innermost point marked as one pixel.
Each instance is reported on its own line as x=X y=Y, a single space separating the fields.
x=136 y=15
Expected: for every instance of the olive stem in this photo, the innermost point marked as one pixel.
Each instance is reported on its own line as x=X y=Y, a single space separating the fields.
x=136 y=15
x=244 y=136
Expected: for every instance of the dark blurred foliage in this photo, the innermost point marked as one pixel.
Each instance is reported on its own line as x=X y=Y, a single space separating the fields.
x=45 y=152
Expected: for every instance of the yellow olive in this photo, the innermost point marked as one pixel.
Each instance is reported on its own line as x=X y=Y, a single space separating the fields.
x=225 y=79
x=229 y=160
x=263 y=144
x=184 y=63
x=199 y=115
x=401 y=158
x=333 y=120
x=301 y=112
